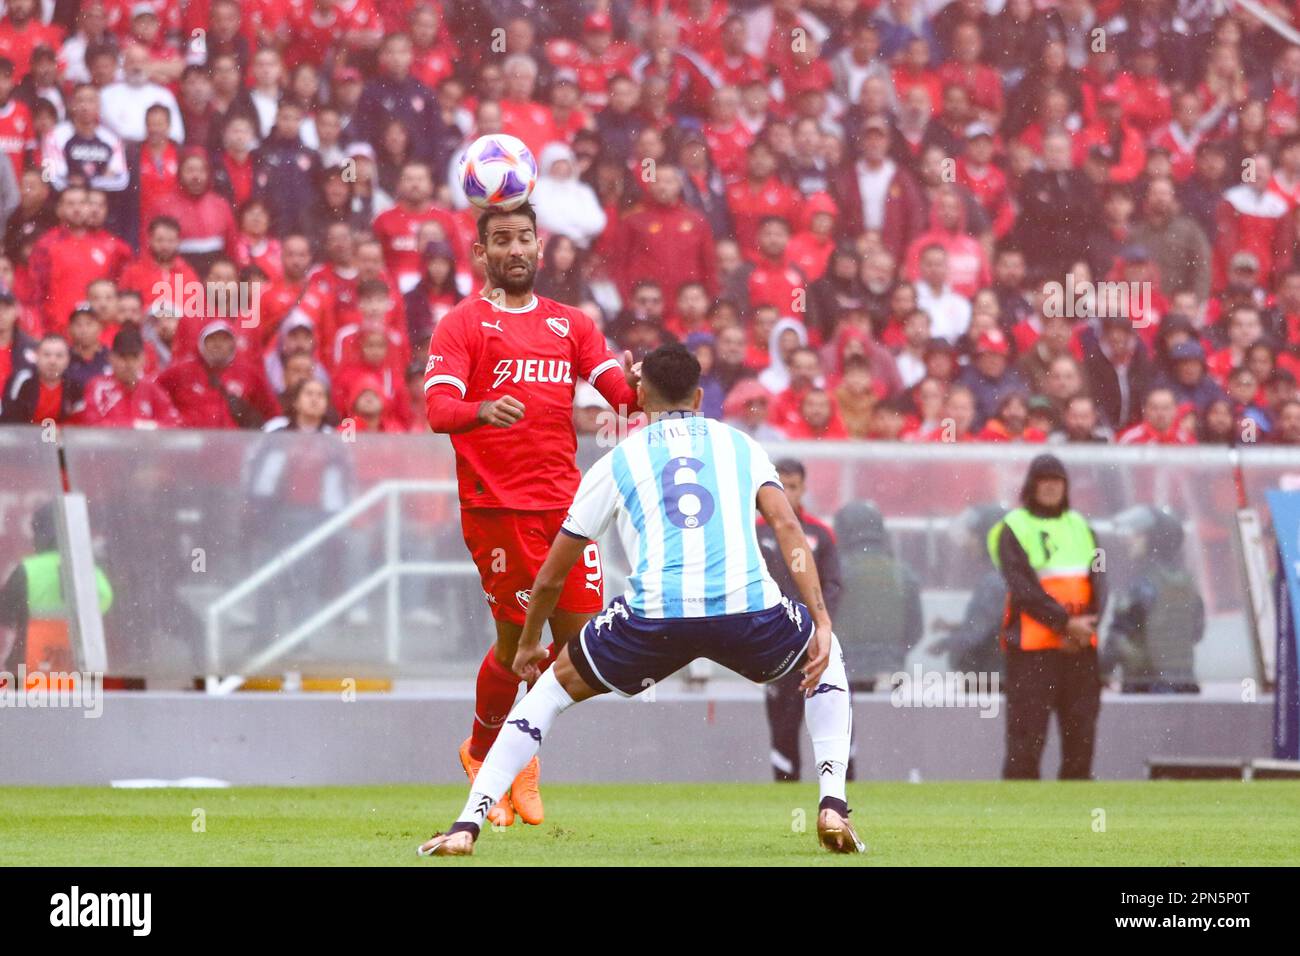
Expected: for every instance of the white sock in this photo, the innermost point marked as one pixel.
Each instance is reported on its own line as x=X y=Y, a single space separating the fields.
x=520 y=738
x=829 y=715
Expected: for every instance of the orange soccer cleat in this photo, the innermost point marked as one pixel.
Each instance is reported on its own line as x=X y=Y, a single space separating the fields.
x=525 y=796
x=501 y=815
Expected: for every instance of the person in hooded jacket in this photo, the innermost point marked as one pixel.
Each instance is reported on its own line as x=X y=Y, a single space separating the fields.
x=971 y=644
x=566 y=206
x=1046 y=553
x=784 y=699
x=880 y=609
x=1160 y=617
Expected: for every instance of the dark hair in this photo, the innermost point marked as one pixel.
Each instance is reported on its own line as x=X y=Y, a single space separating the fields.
x=160 y=108
x=159 y=221
x=493 y=211
x=790 y=466
x=672 y=371
x=6 y=66
x=369 y=288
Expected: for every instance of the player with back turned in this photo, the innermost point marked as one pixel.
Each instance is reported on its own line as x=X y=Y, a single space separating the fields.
x=500 y=379
x=685 y=492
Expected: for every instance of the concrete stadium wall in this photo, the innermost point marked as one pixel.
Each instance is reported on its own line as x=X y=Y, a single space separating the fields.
x=317 y=739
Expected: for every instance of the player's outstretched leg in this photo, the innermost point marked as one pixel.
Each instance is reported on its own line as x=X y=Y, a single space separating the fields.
x=521 y=737
x=494 y=694
x=829 y=715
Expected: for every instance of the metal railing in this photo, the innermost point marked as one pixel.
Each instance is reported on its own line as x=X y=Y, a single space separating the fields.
x=388 y=575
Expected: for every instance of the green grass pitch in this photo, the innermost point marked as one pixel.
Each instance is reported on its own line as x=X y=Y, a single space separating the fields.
x=1077 y=824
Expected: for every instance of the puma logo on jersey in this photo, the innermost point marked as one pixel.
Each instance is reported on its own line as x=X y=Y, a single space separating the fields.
x=532 y=370
x=493 y=325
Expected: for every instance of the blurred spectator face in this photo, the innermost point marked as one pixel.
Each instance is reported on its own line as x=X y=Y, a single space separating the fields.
x=1064 y=379
x=266 y=69
x=1219 y=422
x=1159 y=409
x=692 y=302
x=1263 y=172
x=1260 y=361
x=1245 y=329
x=1242 y=386
x=255 y=221
x=934 y=267
x=194 y=175
x=164 y=323
x=649 y=144
x=1188 y=371
x=72 y=206
x=370 y=259
x=1187 y=109
x=288 y=120
x=755 y=413
x=648 y=301
x=761 y=162
x=805 y=368
x=126 y=368
x=1119 y=342
x=84 y=331
x=967 y=44
x=223 y=20
x=917 y=53
x=1014 y=414
x=34 y=190
x=1288 y=423
x=300 y=340
x=1080 y=418
x=666 y=188
x=295 y=256
x=940 y=364
x=298 y=367
x=84 y=108
x=1161 y=201
x=312 y=402
x=731 y=346
x=623 y=95
x=857 y=379
x=415 y=187
x=979 y=151
x=916 y=328
x=873 y=98
x=102 y=296
x=1055 y=335
x=807 y=139
x=225 y=76
x=886 y=422
x=1118 y=207
x=960 y=409
x=219 y=349
x=930 y=395
x=368 y=404
x=520 y=35
x=875 y=146
x=521 y=78
x=950 y=210
x=395 y=56
x=157 y=126
x=902 y=301
x=991 y=364
x=52 y=359
x=773 y=237
x=1056 y=152
x=135 y=65
x=338 y=244
x=878 y=270
x=956 y=106
x=96 y=208
x=129 y=308
x=374 y=308
x=816 y=409
x=163 y=243
x=424 y=26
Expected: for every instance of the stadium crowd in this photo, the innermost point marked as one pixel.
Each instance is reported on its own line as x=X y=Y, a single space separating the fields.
x=220 y=214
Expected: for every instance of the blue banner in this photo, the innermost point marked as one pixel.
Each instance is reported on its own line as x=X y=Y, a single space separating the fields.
x=1285 y=508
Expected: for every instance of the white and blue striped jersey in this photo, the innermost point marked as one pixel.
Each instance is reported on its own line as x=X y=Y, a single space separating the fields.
x=684 y=490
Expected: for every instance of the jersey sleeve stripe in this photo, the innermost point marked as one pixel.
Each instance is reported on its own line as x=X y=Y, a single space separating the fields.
x=601 y=369
x=446 y=380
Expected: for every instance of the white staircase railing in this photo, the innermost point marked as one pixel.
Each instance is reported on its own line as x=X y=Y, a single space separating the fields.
x=389 y=575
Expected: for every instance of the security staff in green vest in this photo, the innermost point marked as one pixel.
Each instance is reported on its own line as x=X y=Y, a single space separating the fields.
x=1047 y=555
x=31 y=604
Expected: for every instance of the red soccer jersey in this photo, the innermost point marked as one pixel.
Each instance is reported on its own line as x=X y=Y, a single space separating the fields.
x=16 y=133
x=398 y=230
x=537 y=353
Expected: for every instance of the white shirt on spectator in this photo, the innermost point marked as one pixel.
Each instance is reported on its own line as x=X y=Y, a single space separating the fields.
x=949 y=312
x=911 y=368
x=873 y=187
x=122 y=107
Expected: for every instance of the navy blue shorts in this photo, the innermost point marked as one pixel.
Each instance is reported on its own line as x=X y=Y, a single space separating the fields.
x=627 y=653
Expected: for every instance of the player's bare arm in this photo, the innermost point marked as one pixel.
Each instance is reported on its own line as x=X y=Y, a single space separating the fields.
x=776 y=511
x=547 y=587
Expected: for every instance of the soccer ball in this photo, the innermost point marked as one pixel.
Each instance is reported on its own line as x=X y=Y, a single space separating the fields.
x=498 y=172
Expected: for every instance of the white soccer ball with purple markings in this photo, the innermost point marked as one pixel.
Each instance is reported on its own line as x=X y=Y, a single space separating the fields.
x=498 y=172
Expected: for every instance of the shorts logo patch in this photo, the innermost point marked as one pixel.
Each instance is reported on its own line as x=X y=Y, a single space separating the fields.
x=491 y=598
x=522 y=724
x=522 y=597
x=826 y=689
x=559 y=325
